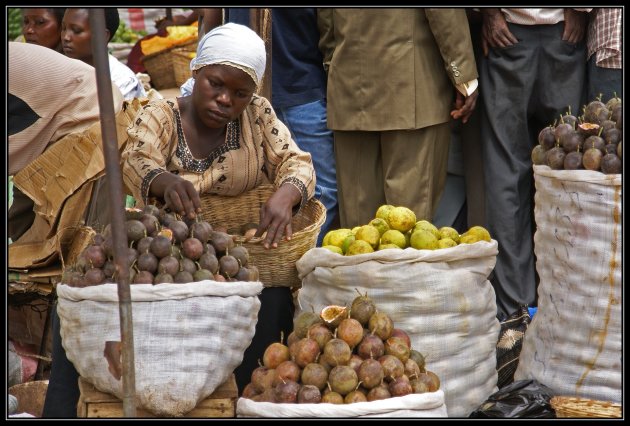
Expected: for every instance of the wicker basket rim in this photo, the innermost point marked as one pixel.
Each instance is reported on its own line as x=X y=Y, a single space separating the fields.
x=168 y=49
x=583 y=407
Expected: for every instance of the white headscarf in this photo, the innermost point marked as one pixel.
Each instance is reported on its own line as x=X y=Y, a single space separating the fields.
x=230 y=44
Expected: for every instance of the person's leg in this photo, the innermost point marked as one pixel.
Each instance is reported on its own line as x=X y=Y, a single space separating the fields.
x=414 y=167
x=359 y=176
x=507 y=77
x=602 y=81
x=307 y=124
x=63 y=393
x=274 y=318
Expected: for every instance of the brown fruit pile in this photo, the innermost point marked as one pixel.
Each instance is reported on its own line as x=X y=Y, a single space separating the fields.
x=163 y=249
x=593 y=141
x=341 y=356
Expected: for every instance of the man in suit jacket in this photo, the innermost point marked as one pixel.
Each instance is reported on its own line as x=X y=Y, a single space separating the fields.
x=392 y=75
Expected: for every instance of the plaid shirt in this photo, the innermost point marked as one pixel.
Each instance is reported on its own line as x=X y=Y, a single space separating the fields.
x=604 y=37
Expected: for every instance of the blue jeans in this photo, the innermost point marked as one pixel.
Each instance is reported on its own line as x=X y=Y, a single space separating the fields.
x=307 y=124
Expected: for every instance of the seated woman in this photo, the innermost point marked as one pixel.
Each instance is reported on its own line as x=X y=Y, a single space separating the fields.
x=76 y=37
x=43 y=26
x=224 y=139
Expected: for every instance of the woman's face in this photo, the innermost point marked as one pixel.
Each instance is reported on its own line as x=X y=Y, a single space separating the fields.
x=40 y=26
x=221 y=93
x=76 y=36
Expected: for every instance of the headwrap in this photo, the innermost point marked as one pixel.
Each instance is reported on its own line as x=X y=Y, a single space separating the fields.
x=230 y=44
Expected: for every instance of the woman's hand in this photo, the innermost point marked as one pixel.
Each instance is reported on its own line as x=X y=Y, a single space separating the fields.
x=276 y=215
x=178 y=194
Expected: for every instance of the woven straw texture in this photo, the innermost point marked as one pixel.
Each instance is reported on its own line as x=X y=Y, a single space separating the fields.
x=160 y=67
x=181 y=65
x=81 y=240
x=276 y=266
x=584 y=408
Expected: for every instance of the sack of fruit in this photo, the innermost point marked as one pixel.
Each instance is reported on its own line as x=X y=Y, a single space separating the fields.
x=441 y=298
x=188 y=338
x=413 y=405
x=574 y=343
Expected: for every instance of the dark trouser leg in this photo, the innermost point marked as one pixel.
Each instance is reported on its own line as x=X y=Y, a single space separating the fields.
x=275 y=316
x=604 y=81
x=535 y=79
x=62 y=395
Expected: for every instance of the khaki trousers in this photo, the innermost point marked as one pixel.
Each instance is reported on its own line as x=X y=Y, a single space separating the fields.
x=398 y=167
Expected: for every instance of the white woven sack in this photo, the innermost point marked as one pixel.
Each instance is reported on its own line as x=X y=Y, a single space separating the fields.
x=574 y=342
x=415 y=405
x=441 y=298
x=188 y=338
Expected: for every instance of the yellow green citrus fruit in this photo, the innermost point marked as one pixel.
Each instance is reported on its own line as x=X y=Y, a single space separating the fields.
x=446 y=243
x=359 y=247
x=448 y=232
x=369 y=234
x=388 y=246
x=468 y=239
x=334 y=249
x=380 y=224
x=394 y=237
x=383 y=211
x=481 y=233
x=338 y=236
x=424 y=240
x=427 y=226
x=401 y=219
x=346 y=243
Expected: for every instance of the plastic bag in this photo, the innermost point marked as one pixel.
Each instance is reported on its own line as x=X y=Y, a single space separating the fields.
x=521 y=399
x=510 y=343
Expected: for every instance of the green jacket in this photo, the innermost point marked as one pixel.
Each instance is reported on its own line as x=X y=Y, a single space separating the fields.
x=393 y=69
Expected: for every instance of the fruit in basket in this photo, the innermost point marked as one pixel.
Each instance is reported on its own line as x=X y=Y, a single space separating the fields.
x=334 y=249
x=320 y=333
x=596 y=112
x=370 y=373
x=423 y=240
x=400 y=386
x=573 y=161
x=95 y=256
x=547 y=138
x=588 y=129
x=210 y=262
x=379 y=392
x=314 y=374
x=286 y=392
x=192 y=248
x=381 y=325
x=394 y=237
x=401 y=218
x=362 y=308
x=343 y=379
x=397 y=347
x=380 y=224
x=309 y=394
x=392 y=367
x=304 y=321
x=592 y=159
x=306 y=351
x=555 y=158
x=331 y=397
x=611 y=164
x=355 y=396
x=135 y=230
x=147 y=262
x=539 y=155
x=143 y=277
x=359 y=247
x=346 y=243
x=351 y=331
x=371 y=346
x=369 y=234
x=336 y=352
x=481 y=232
x=383 y=212
x=446 y=243
x=332 y=315
x=228 y=266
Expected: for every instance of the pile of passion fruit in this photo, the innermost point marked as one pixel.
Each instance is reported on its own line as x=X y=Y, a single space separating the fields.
x=342 y=355
x=593 y=141
x=162 y=248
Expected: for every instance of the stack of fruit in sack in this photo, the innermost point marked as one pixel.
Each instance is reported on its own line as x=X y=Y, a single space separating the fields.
x=341 y=356
x=163 y=249
x=395 y=227
x=593 y=141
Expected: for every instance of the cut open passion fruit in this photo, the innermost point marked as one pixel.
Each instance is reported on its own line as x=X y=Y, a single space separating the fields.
x=333 y=315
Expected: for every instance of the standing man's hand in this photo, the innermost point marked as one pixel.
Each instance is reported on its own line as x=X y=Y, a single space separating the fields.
x=464 y=106
x=574 y=25
x=495 y=31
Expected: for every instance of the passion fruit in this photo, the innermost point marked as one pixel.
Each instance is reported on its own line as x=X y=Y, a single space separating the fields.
x=332 y=315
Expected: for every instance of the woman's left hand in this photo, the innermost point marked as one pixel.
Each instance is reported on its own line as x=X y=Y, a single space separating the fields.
x=276 y=215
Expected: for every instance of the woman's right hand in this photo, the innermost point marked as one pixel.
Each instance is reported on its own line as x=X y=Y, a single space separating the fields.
x=178 y=194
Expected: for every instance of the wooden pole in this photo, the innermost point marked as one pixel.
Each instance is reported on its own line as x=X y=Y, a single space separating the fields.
x=260 y=21
x=116 y=197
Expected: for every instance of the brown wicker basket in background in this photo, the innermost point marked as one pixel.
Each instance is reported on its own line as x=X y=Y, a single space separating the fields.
x=159 y=65
x=181 y=65
x=574 y=407
x=276 y=266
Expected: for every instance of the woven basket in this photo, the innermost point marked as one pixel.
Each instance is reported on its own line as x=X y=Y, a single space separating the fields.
x=181 y=65
x=566 y=406
x=82 y=238
x=276 y=266
x=159 y=65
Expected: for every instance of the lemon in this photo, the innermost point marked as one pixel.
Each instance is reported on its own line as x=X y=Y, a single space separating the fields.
x=359 y=247
x=401 y=219
x=327 y=238
x=334 y=249
x=369 y=234
x=427 y=226
x=383 y=211
x=446 y=243
x=355 y=229
x=448 y=232
x=394 y=237
x=337 y=236
x=424 y=240
x=346 y=243
x=380 y=224
x=468 y=239
x=481 y=232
